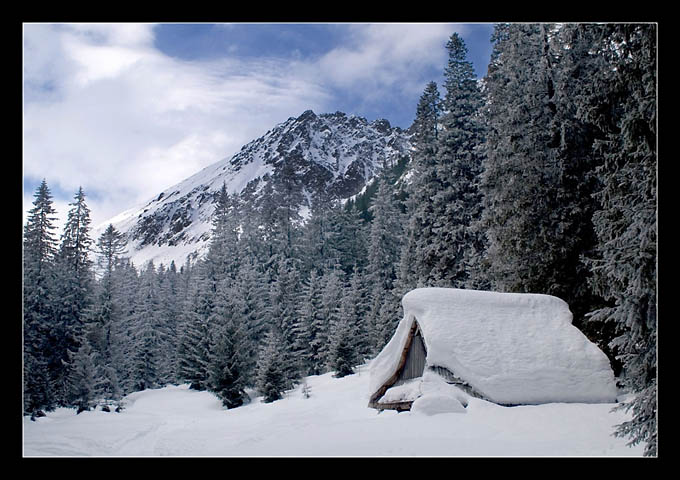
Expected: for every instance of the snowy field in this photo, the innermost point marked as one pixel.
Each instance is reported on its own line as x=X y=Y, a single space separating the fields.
x=333 y=421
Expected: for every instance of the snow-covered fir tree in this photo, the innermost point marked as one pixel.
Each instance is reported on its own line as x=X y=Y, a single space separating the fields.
x=249 y=301
x=147 y=332
x=310 y=330
x=458 y=243
x=412 y=271
x=537 y=180
x=271 y=378
x=195 y=331
x=555 y=165
x=384 y=249
x=73 y=290
x=82 y=377
x=282 y=315
x=105 y=317
x=39 y=249
x=348 y=338
x=331 y=299
x=625 y=265
x=126 y=280
x=227 y=368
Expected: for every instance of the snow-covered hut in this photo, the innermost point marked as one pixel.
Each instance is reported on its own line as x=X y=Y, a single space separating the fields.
x=506 y=348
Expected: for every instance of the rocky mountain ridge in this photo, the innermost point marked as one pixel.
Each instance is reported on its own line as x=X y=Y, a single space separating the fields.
x=317 y=158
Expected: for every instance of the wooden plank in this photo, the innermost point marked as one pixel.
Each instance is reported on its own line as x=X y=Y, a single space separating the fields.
x=414 y=366
x=373 y=402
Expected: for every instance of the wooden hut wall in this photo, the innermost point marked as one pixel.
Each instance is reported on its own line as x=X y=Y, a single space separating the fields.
x=415 y=359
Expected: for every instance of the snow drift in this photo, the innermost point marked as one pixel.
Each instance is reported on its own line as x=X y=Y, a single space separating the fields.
x=331 y=422
x=509 y=348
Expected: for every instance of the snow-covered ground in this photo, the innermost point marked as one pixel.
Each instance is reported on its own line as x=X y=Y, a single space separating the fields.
x=333 y=421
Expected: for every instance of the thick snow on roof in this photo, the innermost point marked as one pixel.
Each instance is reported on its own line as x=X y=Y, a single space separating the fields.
x=511 y=348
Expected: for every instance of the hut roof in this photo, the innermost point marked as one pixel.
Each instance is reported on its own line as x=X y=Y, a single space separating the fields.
x=510 y=348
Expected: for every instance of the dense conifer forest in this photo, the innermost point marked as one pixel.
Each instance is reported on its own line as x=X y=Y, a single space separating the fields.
x=540 y=178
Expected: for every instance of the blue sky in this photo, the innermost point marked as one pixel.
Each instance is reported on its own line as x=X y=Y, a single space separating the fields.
x=128 y=110
x=309 y=42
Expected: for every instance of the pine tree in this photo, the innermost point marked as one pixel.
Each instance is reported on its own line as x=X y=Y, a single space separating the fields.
x=360 y=327
x=102 y=332
x=282 y=315
x=519 y=172
x=345 y=239
x=538 y=175
x=347 y=339
x=122 y=347
x=39 y=249
x=197 y=321
x=74 y=288
x=147 y=333
x=626 y=224
x=82 y=375
x=307 y=330
x=279 y=216
x=412 y=271
x=331 y=297
x=271 y=379
x=39 y=246
x=314 y=239
x=384 y=248
x=249 y=299
x=227 y=367
x=457 y=245
x=170 y=310
x=221 y=259
x=384 y=239
x=110 y=248
x=343 y=351
x=76 y=243
x=193 y=351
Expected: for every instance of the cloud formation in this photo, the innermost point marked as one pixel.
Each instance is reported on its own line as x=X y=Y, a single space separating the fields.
x=106 y=110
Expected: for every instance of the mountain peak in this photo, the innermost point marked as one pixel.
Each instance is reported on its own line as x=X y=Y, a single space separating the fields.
x=332 y=156
x=307 y=115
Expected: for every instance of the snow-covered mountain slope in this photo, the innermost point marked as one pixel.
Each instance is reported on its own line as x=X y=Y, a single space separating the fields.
x=330 y=156
x=333 y=421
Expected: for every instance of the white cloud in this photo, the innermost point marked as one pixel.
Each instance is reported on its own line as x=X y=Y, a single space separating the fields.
x=381 y=55
x=105 y=110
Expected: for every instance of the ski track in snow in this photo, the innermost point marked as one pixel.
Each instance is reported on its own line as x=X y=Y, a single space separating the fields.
x=334 y=421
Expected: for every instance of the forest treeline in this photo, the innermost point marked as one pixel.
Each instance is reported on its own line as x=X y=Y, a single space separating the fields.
x=540 y=177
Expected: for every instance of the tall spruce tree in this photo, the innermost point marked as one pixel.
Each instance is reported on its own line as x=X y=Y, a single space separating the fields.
x=384 y=248
x=82 y=377
x=250 y=297
x=39 y=249
x=520 y=171
x=308 y=333
x=412 y=271
x=227 y=367
x=127 y=285
x=625 y=267
x=73 y=290
x=169 y=307
x=102 y=331
x=197 y=322
x=221 y=259
x=331 y=298
x=282 y=314
x=457 y=245
x=147 y=332
x=347 y=334
x=271 y=377
x=195 y=331
x=537 y=179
